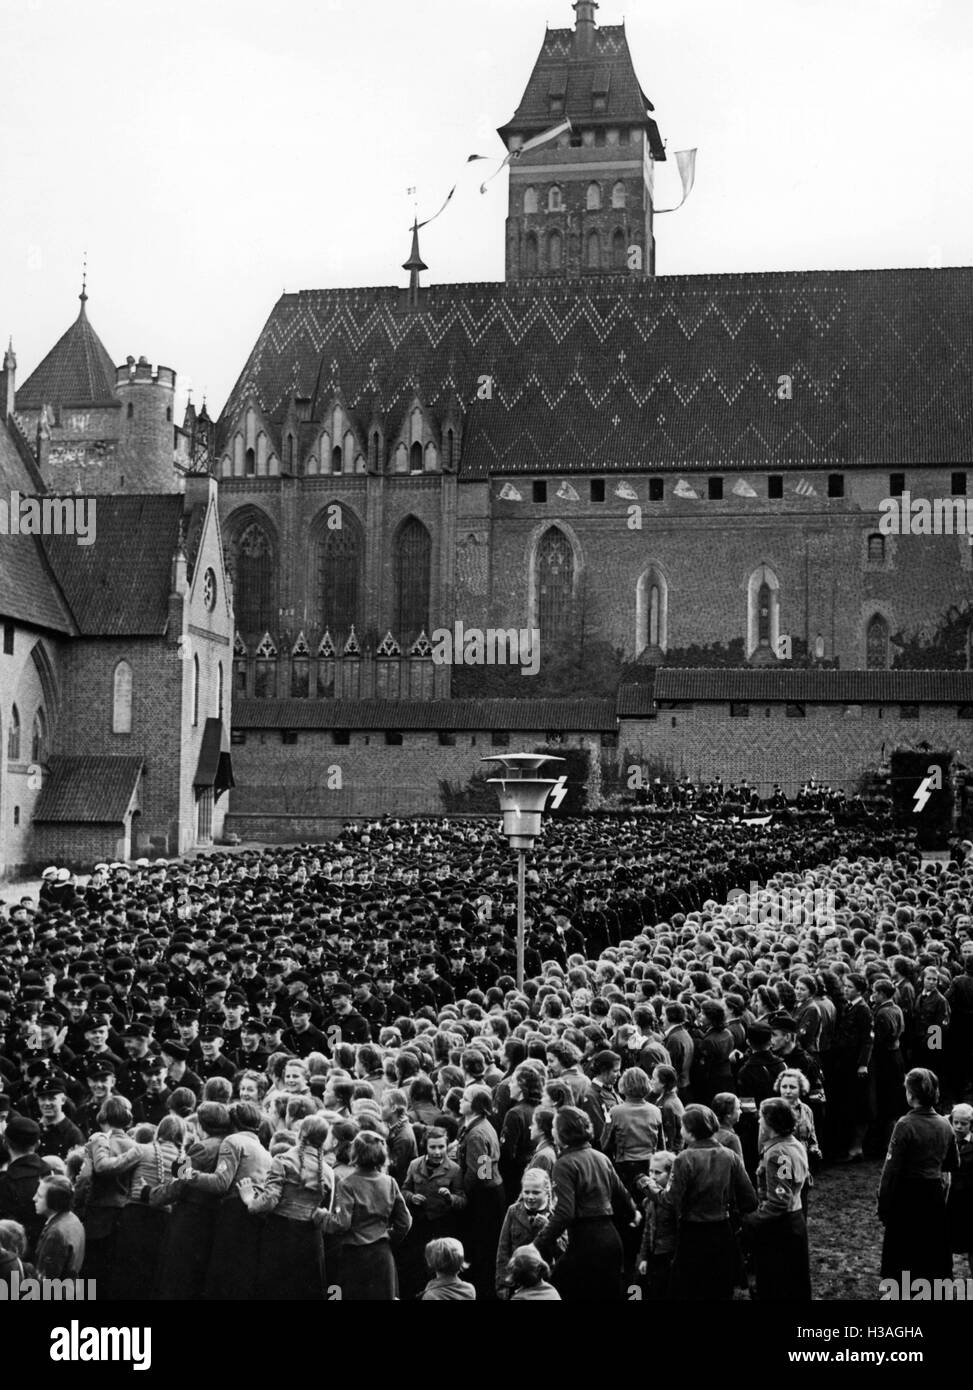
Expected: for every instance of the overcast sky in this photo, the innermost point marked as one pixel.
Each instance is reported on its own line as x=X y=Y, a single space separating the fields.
x=209 y=154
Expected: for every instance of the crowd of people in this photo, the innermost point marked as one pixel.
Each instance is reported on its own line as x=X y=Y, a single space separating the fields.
x=307 y=1073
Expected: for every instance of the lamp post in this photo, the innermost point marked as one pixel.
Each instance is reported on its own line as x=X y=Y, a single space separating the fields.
x=523 y=796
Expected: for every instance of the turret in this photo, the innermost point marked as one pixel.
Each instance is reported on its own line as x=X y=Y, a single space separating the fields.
x=146 y=429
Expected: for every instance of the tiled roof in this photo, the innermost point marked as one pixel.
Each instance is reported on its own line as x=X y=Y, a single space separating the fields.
x=672 y=374
x=528 y=716
x=28 y=593
x=608 y=70
x=88 y=789
x=120 y=585
x=636 y=701
x=842 y=687
x=76 y=371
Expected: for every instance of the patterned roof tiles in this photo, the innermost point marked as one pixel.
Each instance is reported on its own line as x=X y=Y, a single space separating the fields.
x=671 y=374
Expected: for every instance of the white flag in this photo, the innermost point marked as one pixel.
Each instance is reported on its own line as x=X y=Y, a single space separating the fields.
x=538 y=140
x=626 y=491
x=567 y=493
x=686 y=164
x=682 y=489
x=805 y=489
x=741 y=488
x=508 y=493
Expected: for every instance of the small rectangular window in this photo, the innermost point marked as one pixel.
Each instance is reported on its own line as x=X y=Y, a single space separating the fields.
x=447 y=739
x=238 y=737
x=896 y=484
x=739 y=709
x=8 y=639
x=908 y=711
x=958 y=484
x=500 y=738
x=393 y=738
x=16 y=815
x=540 y=490
x=715 y=487
x=656 y=489
x=554 y=736
x=836 y=484
x=342 y=737
x=775 y=487
x=288 y=736
x=876 y=549
x=597 y=489
x=853 y=711
x=609 y=740
x=796 y=711
x=965 y=712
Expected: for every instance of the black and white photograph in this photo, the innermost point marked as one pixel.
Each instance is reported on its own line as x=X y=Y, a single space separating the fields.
x=486 y=689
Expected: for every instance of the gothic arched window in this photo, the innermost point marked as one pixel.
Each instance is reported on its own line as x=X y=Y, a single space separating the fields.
x=250 y=467
x=619 y=251
x=38 y=738
x=530 y=256
x=253 y=592
x=339 y=555
x=413 y=555
x=877 y=644
x=554 y=203
x=618 y=195
x=652 y=611
x=554 y=250
x=121 y=717
x=594 y=251
x=555 y=585
x=195 y=691
x=764 y=602
x=593 y=197
x=530 y=200
x=415 y=458
x=13 y=737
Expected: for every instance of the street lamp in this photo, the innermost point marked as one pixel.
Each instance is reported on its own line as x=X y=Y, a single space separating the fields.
x=522 y=799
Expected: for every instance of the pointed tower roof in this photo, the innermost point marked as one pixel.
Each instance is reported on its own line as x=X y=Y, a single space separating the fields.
x=76 y=371
x=588 y=75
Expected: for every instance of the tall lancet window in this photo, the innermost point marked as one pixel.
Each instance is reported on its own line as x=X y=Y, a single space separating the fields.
x=555 y=586
x=413 y=554
x=877 y=644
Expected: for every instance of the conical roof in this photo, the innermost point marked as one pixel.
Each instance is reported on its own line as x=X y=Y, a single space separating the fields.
x=76 y=371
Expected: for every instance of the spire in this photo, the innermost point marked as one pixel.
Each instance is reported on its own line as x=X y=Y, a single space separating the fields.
x=83 y=296
x=414 y=265
x=10 y=357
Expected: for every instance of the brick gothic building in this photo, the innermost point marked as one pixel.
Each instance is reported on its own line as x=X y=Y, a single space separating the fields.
x=683 y=471
x=115 y=662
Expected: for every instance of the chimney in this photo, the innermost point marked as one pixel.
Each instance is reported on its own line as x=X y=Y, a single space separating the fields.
x=584 y=30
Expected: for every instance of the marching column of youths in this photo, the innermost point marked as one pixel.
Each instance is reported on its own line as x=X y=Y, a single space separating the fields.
x=309 y=1074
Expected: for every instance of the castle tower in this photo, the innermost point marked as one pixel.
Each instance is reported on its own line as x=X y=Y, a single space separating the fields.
x=146 y=428
x=98 y=428
x=582 y=204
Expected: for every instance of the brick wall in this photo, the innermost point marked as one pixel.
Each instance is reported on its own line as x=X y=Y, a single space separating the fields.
x=768 y=747
x=278 y=783
x=79 y=847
